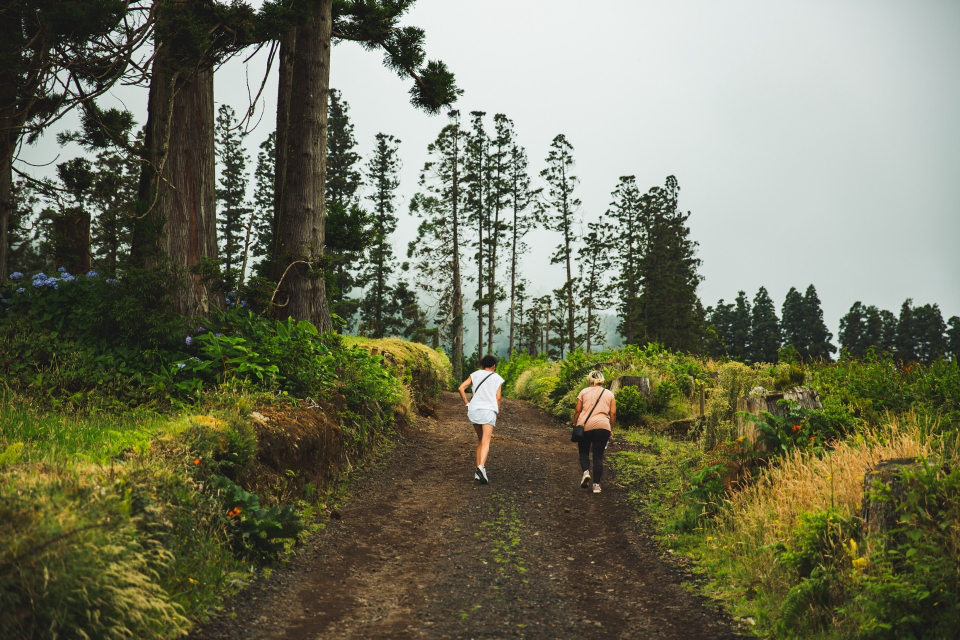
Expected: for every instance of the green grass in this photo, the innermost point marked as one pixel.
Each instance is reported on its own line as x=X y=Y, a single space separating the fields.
x=56 y=438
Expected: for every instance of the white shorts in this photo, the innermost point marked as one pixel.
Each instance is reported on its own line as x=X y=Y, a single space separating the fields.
x=482 y=416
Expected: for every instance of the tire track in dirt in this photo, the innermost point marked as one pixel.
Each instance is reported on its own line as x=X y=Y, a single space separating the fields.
x=425 y=552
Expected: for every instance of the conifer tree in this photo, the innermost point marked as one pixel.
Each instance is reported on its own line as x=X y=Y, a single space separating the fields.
x=264 y=204
x=476 y=189
x=719 y=321
x=668 y=304
x=921 y=333
x=343 y=178
x=819 y=346
x=794 y=322
x=497 y=202
x=765 y=340
x=738 y=338
x=953 y=338
x=233 y=210
x=523 y=218
x=112 y=201
x=626 y=211
x=559 y=215
x=383 y=178
x=437 y=250
x=347 y=234
x=866 y=327
x=803 y=326
x=594 y=294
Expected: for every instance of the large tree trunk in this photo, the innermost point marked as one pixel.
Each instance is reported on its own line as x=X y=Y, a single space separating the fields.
x=71 y=232
x=457 y=301
x=6 y=190
x=177 y=185
x=302 y=294
x=288 y=49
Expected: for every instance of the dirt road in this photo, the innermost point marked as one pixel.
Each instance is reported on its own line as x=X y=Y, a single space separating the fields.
x=423 y=551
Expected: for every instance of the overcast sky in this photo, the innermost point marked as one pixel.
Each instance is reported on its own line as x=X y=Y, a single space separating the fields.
x=814 y=141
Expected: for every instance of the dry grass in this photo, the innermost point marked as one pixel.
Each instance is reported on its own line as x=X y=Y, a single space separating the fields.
x=767 y=511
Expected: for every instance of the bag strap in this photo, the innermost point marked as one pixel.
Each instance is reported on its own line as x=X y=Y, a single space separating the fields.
x=589 y=415
x=480 y=384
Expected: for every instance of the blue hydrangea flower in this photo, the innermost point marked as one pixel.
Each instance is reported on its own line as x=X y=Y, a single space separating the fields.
x=111 y=281
x=219 y=335
x=243 y=303
x=67 y=278
x=189 y=341
x=21 y=290
x=232 y=294
x=62 y=269
x=92 y=274
x=180 y=365
x=40 y=276
x=16 y=275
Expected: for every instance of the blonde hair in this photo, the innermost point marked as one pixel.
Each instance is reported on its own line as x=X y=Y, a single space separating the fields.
x=595 y=377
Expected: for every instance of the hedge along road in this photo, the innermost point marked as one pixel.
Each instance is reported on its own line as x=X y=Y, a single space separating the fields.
x=423 y=551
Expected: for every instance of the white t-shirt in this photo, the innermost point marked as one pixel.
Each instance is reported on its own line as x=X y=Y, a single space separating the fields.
x=486 y=397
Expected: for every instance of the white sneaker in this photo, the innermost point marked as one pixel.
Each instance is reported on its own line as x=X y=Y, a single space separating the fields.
x=481 y=475
x=596 y=488
x=585 y=480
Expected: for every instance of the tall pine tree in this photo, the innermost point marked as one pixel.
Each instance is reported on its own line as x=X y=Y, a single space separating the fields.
x=668 y=306
x=523 y=220
x=437 y=251
x=264 y=206
x=347 y=224
x=738 y=339
x=476 y=189
x=626 y=211
x=559 y=215
x=594 y=293
x=383 y=178
x=765 y=338
x=232 y=209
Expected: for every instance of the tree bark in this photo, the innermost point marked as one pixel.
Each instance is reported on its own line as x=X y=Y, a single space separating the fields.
x=6 y=191
x=302 y=292
x=177 y=185
x=71 y=231
x=457 y=301
x=288 y=48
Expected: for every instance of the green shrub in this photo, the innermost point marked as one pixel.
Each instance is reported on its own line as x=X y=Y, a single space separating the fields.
x=631 y=406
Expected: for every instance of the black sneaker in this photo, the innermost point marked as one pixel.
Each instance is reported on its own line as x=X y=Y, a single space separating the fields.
x=481 y=475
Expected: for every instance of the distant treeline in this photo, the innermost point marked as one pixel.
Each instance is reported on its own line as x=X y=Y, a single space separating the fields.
x=754 y=333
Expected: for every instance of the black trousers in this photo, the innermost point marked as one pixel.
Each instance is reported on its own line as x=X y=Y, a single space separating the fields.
x=595 y=439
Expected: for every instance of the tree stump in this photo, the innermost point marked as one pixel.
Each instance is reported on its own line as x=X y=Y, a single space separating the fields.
x=762 y=400
x=642 y=384
x=881 y=515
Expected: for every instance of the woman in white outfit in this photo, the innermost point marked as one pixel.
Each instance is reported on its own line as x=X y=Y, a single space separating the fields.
x=483 y=408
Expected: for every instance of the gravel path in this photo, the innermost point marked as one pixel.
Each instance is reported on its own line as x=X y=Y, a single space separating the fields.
x=423 y=551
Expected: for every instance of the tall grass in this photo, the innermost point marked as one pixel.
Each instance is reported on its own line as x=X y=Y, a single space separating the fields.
x=94 y=438
x=744 y=548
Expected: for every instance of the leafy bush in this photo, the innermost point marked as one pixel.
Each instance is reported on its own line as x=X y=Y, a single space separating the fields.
x=631 y=406
x=257 y=533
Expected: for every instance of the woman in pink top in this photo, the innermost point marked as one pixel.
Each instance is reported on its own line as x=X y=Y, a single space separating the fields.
x=599 y=405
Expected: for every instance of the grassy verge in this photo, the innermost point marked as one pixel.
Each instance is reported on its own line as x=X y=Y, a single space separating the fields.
x=776 y=528
x=139 y=523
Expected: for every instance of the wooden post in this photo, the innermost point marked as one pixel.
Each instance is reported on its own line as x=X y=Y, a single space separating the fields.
x=703 y=403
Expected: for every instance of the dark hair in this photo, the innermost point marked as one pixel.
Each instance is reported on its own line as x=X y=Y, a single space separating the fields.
x=488 y=361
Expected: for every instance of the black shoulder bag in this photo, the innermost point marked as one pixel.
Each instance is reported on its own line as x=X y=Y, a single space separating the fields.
x=578 y=431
